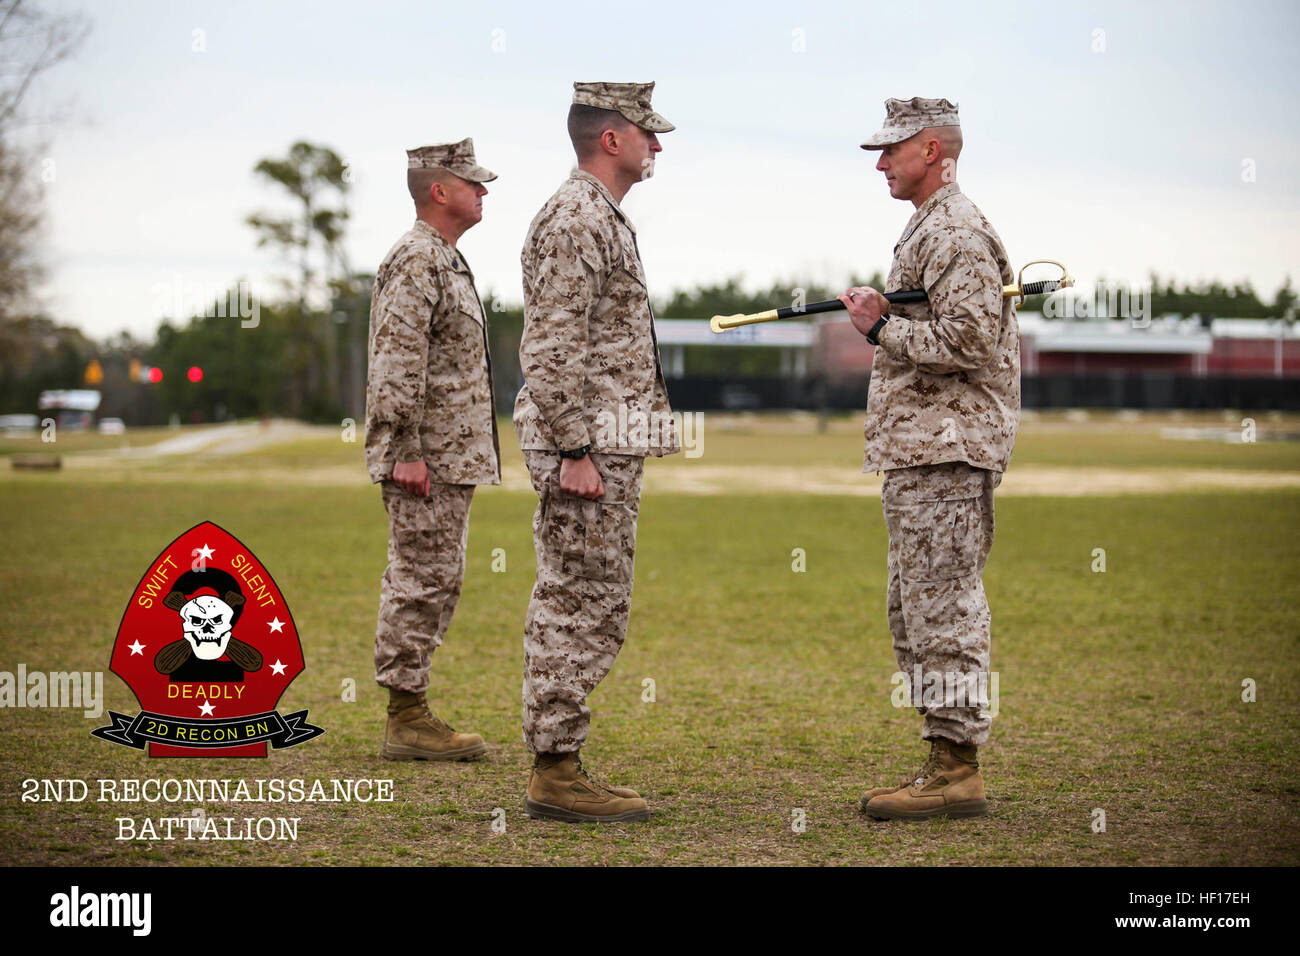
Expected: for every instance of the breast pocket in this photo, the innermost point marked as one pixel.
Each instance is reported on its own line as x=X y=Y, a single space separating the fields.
x=632 y=266
x=900 y=280
x=467 y=303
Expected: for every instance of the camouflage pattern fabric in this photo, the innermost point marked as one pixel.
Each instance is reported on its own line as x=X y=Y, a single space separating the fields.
x=632 y=100
x=457 y=158
x=940 y=521
x=905 y=118
x=945 y=381
x=589 y=355
x=578 y=614
x=420 y=588
x=429 y=389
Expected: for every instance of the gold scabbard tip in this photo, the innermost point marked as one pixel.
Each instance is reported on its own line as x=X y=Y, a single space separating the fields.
x=721 y=323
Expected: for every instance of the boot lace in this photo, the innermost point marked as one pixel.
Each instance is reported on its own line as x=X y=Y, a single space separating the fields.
x=592 y=778
x=438 y=722
x=931 y=763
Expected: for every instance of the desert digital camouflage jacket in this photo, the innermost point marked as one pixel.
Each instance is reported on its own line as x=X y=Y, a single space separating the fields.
x=945 y=380
x=429 y=389
x=589 y=355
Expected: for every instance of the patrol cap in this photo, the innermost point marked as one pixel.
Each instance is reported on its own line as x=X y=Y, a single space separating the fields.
x=630 y=99
x=456 y=158
x=906 y=118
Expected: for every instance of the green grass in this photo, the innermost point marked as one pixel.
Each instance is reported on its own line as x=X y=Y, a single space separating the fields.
x=1147 y=448
x=1119 y=690
x=1104 y=440
x=67 y=441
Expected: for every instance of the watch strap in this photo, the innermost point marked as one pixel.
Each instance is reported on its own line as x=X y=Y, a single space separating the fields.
x=874 y=333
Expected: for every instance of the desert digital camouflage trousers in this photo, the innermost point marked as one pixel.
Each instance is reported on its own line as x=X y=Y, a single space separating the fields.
x=577 y=617
x=940 y=521
x=420 y=588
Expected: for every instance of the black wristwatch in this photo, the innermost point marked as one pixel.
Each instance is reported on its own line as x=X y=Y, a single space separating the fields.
x=576 y=453
x=873 y=334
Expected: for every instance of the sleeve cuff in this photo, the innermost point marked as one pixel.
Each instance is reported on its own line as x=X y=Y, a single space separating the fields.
x=892 y=336
x=570 y=431
x=408 y=450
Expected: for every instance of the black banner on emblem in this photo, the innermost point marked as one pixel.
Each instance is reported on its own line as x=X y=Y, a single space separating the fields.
x=135 y=732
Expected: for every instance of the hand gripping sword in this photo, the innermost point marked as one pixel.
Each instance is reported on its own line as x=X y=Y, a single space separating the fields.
x=1018 y=289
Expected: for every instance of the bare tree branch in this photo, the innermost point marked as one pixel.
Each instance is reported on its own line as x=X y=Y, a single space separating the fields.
x=32 y=42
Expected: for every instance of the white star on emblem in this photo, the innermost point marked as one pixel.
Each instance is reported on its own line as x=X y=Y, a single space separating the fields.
x=278 y=668
x=276 y=625
x=206 y=709
x=137 y=647
x=204 y=552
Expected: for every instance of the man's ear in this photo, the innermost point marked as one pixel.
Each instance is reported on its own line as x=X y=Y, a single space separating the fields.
x=438 y=193
x=936 y=148
x=609 y=140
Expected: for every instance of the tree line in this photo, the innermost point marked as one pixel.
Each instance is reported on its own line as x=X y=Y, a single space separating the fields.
x=308 y=361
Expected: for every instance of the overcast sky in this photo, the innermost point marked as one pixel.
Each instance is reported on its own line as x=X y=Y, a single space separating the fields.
x=1115 y=136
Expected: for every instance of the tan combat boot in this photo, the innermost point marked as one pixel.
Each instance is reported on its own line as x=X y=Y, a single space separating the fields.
x=903 y=782
x=413 y=733
x=951 y=787
x=560 y=789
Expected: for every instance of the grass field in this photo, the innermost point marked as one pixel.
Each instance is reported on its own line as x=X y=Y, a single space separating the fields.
x=1119 y=691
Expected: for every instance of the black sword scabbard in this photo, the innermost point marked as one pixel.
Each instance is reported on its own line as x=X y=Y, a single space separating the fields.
x=902 y=297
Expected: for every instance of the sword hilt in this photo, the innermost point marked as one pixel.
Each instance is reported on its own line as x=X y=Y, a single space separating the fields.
x=1020 y=288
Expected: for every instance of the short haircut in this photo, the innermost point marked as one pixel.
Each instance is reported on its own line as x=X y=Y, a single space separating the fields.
x=420 y=181
x=949 y=138
x=586 y=123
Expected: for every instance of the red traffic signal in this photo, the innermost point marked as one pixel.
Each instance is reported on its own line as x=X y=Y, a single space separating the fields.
x=195 y=373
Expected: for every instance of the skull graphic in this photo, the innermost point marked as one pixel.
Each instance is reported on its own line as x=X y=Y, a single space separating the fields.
x=207 y=622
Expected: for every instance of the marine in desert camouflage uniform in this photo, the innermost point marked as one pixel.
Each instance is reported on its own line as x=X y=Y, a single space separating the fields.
x=942 y=414
x=593 y=405
x=430 y=437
